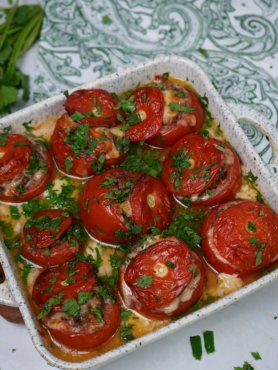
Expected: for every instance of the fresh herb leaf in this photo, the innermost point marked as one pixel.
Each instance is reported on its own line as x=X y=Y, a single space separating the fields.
x=14 y=212
x=209 y=341
x=196 y=346
x=53 y=301
x=176 y=107
x=145 y=281
x=256 y=355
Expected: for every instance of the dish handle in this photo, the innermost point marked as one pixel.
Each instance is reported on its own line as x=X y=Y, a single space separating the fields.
x=5 y=296
x=255 y=118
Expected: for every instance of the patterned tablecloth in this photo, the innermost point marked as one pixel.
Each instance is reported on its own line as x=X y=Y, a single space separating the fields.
x=235 y=42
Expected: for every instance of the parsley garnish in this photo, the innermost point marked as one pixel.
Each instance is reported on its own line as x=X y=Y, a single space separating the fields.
x=196 y=346
x=144 y=281
x=77 y=116
x=170 y=264
x=125 y=332
x=53 y=301
x=209 y=341
x=176 y=107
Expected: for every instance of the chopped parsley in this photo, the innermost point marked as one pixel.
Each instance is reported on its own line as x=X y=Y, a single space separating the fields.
x=176 y=107
x=144 y=281
x=209 y=341
x=170 y=264
x=196 y=346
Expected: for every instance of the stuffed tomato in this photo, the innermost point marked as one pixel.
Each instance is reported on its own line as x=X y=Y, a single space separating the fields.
x=240 y=237
x=74 y=310
x=51 y=238
x=163 y=279
x=206 y=170
x=143 y=112
x=95 y=106
x=120 y=205
x=25 y=168
x=182 y=114
x=81 y=150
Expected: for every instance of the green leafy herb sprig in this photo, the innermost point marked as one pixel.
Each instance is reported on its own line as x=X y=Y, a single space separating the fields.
x=20 y=29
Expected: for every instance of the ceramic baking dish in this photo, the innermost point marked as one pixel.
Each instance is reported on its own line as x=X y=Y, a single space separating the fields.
x=12 y=292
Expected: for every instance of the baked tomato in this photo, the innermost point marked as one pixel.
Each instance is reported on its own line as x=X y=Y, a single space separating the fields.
x=163 y=280
x=80 y=150
x=64 y=281
x=206 y=170
x=183 y=114
x=51 y=238
x=240 y=237
x=143 y=113
x=95 y=322
x=25 y=168
x=96 y=106
x=118 y=205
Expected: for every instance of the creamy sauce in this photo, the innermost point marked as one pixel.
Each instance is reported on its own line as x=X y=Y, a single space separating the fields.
x=217 y=286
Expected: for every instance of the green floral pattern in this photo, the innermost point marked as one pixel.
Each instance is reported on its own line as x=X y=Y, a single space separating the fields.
x=235 y=42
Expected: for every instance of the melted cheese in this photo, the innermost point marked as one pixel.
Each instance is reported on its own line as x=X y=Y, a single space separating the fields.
x=230 y=284
x=169 y=98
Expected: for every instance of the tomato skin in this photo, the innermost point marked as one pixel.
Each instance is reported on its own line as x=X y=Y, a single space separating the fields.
x=97 y=215
x=153 y=108
x=19 y=158
x=60 y=273
x=223 y=189
x=201 y=149
x=227 y=234
x=83 y=100
x=107 y=219
x=159 y=212
x=226 y=190
x=15 y=159
x=81 y=164
x=169 y=134
x=147 y=308
x=59 y=254
x=85 y=337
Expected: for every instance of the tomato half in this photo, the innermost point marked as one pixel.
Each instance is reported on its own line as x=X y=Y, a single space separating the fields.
x=240 y=237
x=177 y=124
x=207 y=170
x=149 y=106
x=99 y=212
x=24 y=169
x=113 y=203
x=60 y=248
x=87 y=332
x=14 y=159
x=70 y=278
x=97 y=105
x=151 y=204
x=77 y=158
x=163 y=280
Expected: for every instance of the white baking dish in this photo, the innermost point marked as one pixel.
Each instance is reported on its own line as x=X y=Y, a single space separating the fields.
x=12 y=293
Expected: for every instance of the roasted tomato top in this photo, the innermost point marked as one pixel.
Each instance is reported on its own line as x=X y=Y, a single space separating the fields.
x=183 y=113
x=165 y=278
x=143 y=113
x=205 y=169
x=25 y=167
x=240 y=237
x=66 y=280
x=80 y=150
x=119 y=205
x=93 y=323
x=96 y=106
x=51 y=238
